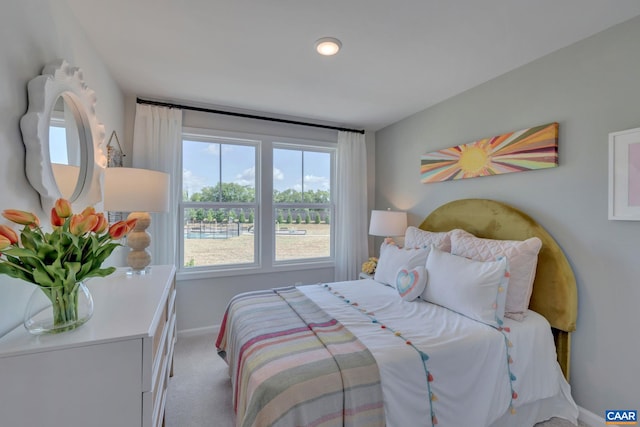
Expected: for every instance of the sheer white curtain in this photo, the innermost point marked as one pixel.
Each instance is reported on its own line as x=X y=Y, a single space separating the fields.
x=351 y=199
x=156 y=145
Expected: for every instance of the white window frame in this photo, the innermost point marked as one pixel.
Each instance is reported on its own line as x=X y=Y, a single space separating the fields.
x=264 y=211
x=331 y=205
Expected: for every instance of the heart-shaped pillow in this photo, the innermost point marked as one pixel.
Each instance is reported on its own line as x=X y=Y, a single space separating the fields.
x=410 y=282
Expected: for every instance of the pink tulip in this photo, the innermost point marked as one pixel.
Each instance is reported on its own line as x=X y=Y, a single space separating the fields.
x=8 y=233
x=21 y=217
x=63 y=208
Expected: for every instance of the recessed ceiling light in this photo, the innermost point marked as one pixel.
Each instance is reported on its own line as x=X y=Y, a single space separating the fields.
x=328 y=46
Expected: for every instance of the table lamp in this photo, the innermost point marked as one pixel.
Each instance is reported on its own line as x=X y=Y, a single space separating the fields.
x=388 y=223
x=138 y=191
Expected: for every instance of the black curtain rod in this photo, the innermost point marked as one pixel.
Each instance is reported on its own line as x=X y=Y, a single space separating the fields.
x=246 y=116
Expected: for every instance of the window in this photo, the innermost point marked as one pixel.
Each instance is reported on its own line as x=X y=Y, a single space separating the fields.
x=219 y=201
x=301 y=201
x=255 y=203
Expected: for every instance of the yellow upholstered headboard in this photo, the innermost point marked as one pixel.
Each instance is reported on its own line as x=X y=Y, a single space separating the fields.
x=554 y=294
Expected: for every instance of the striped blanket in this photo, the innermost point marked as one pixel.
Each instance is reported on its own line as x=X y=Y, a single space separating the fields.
x=291 y=364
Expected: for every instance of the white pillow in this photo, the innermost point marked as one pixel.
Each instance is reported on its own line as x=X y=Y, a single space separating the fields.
x=523 y=259
x=410 y=283
x=393 y=257
x=417 y=238
x=471 y=288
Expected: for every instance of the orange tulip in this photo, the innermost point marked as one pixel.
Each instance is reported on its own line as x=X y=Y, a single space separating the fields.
x=102 y=224
x=119 y=230
x=21 y=217
x=56 y=221
x=89 y=210
x=9 y=234
x=63 y=208
x=131 y=224
x=82 y=224
x=4 y=242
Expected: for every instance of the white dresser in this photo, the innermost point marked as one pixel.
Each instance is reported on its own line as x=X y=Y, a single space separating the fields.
x=111 y=371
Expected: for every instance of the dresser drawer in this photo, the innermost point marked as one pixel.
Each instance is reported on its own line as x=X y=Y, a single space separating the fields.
x=158 y=335
x=154 y=400
x=154 y=397
x=171 y=300
x=78 y=386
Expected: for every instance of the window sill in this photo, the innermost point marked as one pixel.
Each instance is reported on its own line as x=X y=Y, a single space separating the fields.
x=188 y=274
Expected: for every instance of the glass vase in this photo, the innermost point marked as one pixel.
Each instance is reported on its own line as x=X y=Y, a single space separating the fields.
x=51 y=310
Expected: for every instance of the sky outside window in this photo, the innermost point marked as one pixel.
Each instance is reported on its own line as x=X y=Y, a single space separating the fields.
x=201 y=167
x=288 y=170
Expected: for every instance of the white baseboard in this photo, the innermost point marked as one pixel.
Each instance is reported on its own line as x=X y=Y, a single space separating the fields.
x=199 y=331
x=589 y=419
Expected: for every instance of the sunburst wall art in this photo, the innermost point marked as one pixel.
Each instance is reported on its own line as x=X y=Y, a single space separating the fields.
x=523 y=150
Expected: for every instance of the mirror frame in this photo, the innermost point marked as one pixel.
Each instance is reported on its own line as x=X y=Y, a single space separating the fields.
x=59 y=78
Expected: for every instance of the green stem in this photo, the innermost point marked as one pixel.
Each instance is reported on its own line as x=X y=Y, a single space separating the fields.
x=65 y=306
x=42 y=234
x=83 y=255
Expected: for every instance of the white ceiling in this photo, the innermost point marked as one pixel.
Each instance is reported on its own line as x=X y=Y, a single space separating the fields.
x=398 y=56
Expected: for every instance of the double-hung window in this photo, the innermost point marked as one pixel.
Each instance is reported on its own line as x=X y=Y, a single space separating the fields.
x=255 y=202
x=302 y=202
x=220 y=201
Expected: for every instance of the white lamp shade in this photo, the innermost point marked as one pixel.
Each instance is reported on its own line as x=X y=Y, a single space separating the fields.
x=133 y=190
x=388 y=223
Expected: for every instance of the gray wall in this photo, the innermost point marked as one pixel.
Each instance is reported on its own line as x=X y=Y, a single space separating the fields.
x=33 y=33
x=591 y=88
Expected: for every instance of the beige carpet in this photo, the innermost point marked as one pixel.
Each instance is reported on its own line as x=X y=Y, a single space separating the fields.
x=199 y=393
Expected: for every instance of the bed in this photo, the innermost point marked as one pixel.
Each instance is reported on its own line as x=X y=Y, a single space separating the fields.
x=367 y=353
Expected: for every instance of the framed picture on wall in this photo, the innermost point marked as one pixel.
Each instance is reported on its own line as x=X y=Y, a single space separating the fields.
x=115 y=154
x=624 y=175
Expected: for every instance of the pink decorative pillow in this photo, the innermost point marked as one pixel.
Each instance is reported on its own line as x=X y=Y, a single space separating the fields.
x=417 y=238
x=523 y=259
x=410 y=282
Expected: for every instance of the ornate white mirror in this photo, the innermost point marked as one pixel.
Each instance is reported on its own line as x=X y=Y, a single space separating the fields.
x=63 y=138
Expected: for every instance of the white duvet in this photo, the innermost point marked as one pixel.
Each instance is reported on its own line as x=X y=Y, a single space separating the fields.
x=467 y=361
